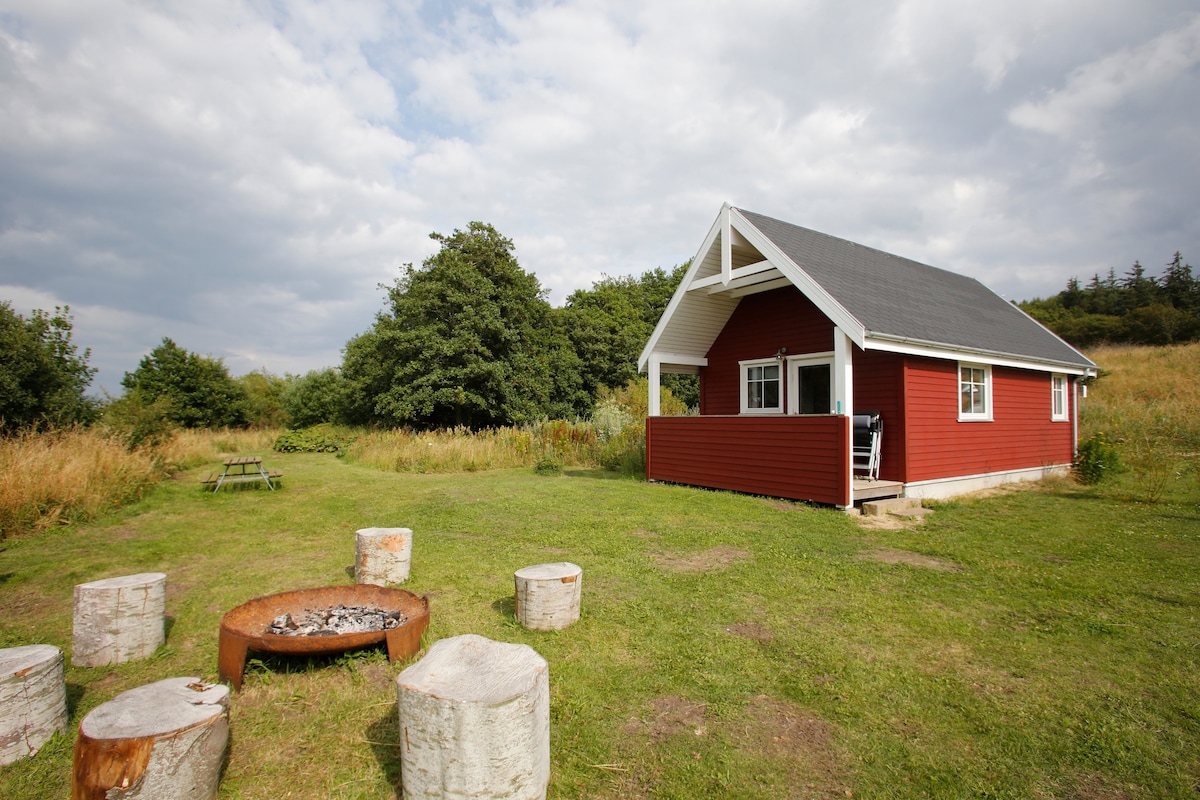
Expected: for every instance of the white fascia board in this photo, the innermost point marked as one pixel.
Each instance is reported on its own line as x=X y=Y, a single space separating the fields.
x=682 y=289
x=831 y=308
x=913 y=347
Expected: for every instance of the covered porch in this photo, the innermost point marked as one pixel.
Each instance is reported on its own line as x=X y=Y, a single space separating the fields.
x=798 y=457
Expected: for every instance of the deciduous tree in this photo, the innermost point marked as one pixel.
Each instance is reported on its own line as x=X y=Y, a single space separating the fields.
x=467 y=339
x=195 y=390
x=43 y=376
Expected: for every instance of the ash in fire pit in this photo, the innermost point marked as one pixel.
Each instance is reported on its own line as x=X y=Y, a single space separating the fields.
x=335 y=621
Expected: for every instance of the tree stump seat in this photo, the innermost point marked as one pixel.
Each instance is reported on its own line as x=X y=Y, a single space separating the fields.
x=548 y=595
x=167 y=739
x=382 y=555
x=119 y=619
x=475 y=722
x=33 y=699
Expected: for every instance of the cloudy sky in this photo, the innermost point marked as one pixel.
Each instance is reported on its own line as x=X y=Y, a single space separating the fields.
x=241 y=176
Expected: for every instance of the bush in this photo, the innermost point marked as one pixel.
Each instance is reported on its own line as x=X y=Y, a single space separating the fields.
x=1096 y=459
x=311 y=440
x=548 y=464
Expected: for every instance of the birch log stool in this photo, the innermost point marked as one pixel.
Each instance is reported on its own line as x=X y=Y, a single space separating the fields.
x=382 y=555
x=161 y=741
x=119 y=619
x=475 y=722
x=548 y=595
x=33 y=699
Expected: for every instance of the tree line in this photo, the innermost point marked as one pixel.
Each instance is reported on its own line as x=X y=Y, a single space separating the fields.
x=467 y=338
x=1135 y=308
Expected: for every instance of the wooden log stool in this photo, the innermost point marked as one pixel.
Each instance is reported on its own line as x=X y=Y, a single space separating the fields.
x=119 y=619
x=382 y=555
x=33 y=699
x=548 y=595
x=164 y=740
x=475 y=722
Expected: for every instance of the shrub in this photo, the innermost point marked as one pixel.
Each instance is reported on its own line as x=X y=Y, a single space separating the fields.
x=1096 y=459
x=548 y=464
x=311 y=440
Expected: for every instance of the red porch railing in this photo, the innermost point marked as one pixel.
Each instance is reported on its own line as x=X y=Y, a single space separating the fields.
x=796 y=457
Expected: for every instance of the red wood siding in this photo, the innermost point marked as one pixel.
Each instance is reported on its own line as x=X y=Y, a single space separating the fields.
x=1020 y=435
x=878 y=386
x=797 y=457
x=760 y=325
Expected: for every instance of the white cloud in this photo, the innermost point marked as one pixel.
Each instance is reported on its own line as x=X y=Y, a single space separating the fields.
x=1101 y=86
x=241 y=176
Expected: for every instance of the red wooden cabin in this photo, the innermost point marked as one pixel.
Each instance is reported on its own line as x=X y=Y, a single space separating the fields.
x=792 y=331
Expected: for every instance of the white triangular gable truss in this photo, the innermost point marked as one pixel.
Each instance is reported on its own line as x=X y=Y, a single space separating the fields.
x=736 y=260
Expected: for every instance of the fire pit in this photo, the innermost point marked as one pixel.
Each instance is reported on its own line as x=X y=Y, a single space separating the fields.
x=246 y=627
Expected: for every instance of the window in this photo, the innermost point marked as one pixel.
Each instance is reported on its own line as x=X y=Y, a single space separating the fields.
x=810 y=384
x=1058 y=398
x=975 y=392
x=761 y=387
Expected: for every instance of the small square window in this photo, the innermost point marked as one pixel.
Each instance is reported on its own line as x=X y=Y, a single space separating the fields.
x=762 y=388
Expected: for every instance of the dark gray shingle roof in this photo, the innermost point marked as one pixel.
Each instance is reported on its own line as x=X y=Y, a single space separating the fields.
x=898 y=297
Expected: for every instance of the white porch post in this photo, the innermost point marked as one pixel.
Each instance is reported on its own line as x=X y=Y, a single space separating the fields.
x=652 y=374
x=843 y=391
x=843 y=373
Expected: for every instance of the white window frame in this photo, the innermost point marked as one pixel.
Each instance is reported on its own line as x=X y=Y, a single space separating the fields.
x=1060 y=408
x=745 y=367
x=975 y=416
x=794 y=363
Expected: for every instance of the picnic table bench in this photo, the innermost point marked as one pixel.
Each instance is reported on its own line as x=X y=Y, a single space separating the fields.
x=242 y=469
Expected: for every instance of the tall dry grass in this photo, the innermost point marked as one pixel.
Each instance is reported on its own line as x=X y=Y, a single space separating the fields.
x=77 y=473
x=463 y=450
x=1147 y=401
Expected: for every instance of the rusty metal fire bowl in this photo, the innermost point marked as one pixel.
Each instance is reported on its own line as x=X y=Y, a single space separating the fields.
x=244 y=628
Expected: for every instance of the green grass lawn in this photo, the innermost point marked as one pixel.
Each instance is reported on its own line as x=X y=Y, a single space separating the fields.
x=1036 y=644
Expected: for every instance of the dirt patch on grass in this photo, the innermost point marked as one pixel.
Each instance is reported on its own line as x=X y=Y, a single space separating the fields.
x=379 y=676
x=712 y=558
x=669 y=716
x=751 y=630
x=800 y=741
x=892 y=556
x=888 y=522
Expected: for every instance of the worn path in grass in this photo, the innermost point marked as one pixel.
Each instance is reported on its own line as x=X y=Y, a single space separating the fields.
x=1035 y=644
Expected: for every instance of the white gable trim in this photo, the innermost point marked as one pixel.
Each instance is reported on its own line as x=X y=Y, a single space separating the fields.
x=775 y=271
x=684 y=285
x=831 y=308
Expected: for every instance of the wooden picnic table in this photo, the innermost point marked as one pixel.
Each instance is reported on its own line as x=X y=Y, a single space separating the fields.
x=241 y=469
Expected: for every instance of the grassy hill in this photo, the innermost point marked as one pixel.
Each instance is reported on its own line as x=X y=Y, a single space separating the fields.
x=1147 y=403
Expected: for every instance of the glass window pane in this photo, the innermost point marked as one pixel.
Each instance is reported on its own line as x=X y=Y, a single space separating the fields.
x=770 y=394
x=815 y=389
